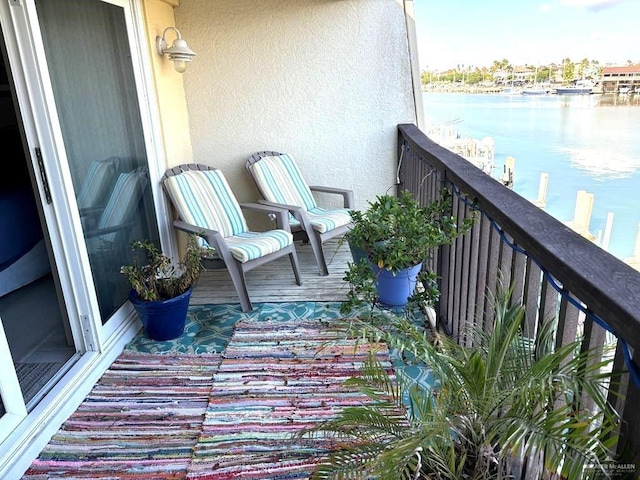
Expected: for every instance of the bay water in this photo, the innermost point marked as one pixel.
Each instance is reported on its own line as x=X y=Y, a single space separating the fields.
x=583 y=142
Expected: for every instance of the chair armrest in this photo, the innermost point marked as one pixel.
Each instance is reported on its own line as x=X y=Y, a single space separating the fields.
x=291 y=208
x=347 y=195
x=104 y=231
x=299 y=213
x=91 y=211
x=213 y=237
x=189 y=228
x=281 y=214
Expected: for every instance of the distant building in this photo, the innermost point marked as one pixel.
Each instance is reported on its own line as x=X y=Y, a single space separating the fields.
x=523 y=74
x=620 y=79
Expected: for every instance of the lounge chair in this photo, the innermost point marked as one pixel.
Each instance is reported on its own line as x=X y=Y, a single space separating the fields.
x=280 y=182
x=206 y=206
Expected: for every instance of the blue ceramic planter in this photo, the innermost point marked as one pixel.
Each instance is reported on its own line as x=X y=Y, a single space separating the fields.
x=163 y=319
x=395 y=290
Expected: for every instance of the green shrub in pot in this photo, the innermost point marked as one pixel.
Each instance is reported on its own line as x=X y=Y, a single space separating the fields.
x=157 y=277
x=160 y=290
x=395 y=233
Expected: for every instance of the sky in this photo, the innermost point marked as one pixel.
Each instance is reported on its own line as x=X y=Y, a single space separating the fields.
x=477 y=32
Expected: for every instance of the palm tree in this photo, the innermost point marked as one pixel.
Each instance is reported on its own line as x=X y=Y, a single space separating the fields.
x=506 y=397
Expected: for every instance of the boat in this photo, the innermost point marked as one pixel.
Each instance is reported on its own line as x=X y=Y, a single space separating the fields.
x=535 y=90
x=511 y=91
x=581 y=87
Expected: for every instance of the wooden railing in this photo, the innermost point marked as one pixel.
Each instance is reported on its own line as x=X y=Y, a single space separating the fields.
x=554 y=271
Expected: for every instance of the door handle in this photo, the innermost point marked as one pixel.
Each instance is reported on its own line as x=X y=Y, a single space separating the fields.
x=43 y=176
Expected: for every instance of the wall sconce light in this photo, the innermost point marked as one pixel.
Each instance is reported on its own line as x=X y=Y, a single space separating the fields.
x=179 y=53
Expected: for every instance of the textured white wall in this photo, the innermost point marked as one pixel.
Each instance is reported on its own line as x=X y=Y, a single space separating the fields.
x=326 y=81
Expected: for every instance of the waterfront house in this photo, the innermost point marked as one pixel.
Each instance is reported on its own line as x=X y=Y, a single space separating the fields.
x=623 y=79
x=334 y=83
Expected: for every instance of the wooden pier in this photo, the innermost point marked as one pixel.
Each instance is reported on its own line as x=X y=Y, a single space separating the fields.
x=582 y=219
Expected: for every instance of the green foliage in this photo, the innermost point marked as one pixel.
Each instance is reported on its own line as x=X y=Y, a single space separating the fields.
x=568 y=71
x=505 y=395
x=396 y=232
x=157 y=278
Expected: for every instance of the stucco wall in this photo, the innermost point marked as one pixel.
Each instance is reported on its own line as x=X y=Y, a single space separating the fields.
x=326 y=81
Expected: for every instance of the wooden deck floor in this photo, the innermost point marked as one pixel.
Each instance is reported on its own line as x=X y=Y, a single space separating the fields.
x=274 y=282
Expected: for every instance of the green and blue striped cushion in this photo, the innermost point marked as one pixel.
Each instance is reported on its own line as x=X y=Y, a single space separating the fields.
x=251 y=245
x=203 y=198
x=123 y=200
x=95 y=186
x=280 y=181
x=323 y=220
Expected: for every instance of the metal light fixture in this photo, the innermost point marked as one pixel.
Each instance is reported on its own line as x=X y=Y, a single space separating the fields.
x=179 y=53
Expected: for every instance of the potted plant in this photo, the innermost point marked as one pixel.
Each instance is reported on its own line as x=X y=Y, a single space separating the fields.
x=391 y=240
x=160 y=291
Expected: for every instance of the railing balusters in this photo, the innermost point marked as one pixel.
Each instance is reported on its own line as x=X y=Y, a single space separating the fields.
x=532 y=292
x=555 y=272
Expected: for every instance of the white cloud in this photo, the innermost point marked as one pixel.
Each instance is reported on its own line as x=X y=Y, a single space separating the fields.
x=545 y=8
x=594 y=5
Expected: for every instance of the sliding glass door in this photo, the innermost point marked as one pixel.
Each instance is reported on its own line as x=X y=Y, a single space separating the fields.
x=91 y=71
x=80 y=146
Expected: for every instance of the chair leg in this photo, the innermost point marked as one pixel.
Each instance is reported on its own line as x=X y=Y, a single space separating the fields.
x=237 y=277
x=293 y=257
x=316 y=245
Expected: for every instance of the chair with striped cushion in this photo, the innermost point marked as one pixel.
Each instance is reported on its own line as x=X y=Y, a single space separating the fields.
x=97 y=183
x=206 y=206
x=115 y=220
x=281 y=184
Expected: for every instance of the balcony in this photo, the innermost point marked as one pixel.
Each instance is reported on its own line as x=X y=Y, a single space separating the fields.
x=554 y=271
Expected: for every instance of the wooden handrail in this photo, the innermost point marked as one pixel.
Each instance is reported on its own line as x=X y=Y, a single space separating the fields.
x=555 y=271
x=609 y=287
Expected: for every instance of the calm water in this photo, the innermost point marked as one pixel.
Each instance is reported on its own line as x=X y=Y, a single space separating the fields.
x=584 y=142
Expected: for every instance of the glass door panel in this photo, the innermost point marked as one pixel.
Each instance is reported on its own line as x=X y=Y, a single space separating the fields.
x=88 y=54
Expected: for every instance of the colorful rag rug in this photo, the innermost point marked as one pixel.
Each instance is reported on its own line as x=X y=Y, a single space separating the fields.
x=276 y=378
x=140 y=421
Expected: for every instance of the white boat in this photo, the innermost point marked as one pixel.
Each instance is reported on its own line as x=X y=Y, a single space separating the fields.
x=535 y=90
x=511 y=91
x=581 y=87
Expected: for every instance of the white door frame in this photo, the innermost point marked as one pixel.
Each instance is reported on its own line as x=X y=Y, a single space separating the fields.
x=23 y=435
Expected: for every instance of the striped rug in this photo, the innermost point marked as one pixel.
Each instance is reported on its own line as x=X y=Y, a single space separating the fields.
x=140 y=421
x=276 y=378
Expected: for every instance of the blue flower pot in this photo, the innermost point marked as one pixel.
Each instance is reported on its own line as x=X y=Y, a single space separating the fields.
x=395 y=290
x=163 y=319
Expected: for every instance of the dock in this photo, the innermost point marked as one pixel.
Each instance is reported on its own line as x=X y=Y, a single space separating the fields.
x=582 y=219
x=582 y=215
x=481 y=153
x=634 y=260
